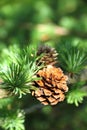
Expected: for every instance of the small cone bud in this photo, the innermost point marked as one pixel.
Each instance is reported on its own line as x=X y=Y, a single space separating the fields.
x=49 y=55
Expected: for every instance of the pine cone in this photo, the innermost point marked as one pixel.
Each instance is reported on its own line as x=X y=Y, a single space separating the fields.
x=49 y=55
x=51 y=87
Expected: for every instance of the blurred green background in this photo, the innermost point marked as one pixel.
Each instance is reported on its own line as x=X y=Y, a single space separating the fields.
x=24 y=22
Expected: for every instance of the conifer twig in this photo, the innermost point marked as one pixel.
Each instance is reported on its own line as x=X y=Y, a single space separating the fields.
x=33 y=108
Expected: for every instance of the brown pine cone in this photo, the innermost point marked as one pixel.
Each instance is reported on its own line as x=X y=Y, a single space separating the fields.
x=51 y=87
x=49 y=55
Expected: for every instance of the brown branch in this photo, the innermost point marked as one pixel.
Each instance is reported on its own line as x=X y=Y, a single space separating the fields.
x=33 y=108
x=78 y=34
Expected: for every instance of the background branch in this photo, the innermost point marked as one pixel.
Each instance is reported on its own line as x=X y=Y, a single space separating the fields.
x=33 y=108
